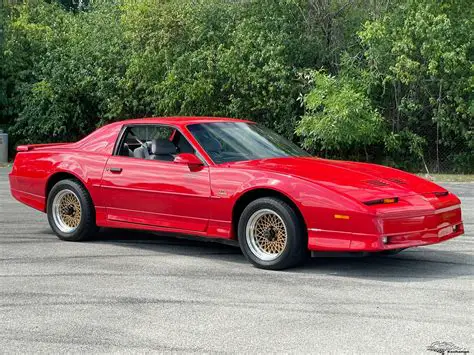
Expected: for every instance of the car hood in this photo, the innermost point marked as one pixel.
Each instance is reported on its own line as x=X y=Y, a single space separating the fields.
x=361 y=181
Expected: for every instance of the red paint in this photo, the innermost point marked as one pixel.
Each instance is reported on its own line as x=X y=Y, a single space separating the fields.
x=197 y=197
x=157 y=193
x=188 y=159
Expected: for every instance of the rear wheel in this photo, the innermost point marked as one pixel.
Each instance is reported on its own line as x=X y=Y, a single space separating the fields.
x=71 y=212
x=271 y=234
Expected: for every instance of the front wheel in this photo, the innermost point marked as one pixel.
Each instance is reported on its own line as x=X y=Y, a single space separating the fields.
x=271 y=234
x=71 y=213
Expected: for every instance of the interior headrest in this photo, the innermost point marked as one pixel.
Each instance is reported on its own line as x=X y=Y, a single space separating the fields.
x=162 y=147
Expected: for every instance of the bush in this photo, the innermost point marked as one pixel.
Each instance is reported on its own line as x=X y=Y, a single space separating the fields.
x=67 y=68
x=338 y=115
x=397 y=74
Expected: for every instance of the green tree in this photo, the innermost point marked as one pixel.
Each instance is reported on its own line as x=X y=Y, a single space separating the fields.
x=397 y=80
x=66 y=69
x=3 y=76
x=420 y=60
x=216 y=58
x=338 y=116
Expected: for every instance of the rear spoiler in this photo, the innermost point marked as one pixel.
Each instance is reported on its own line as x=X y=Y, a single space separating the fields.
x=28 y=147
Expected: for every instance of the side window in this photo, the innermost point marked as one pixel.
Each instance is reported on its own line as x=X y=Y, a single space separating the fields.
x=147 y=133
x=153 y=142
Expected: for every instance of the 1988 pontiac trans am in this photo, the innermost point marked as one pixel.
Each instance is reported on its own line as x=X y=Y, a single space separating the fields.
x=229 y=179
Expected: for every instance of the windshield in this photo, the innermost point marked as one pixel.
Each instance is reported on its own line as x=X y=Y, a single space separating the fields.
x=238 y=141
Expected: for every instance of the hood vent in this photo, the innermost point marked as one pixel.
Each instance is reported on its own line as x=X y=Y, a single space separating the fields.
x=398 y=181
x=376 y=182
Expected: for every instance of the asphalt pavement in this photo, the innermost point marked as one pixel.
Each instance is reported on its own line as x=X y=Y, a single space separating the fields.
x=138 y=292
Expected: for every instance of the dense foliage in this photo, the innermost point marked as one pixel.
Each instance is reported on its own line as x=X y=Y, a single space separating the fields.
x=385 y=81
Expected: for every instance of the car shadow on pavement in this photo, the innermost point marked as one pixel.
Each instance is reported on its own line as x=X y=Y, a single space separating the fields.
x=416 y=264
x=177 y=245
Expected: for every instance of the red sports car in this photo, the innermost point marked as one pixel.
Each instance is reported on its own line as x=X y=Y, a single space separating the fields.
x=229 y=179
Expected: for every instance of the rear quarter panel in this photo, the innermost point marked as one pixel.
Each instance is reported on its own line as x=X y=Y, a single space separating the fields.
x=32 y=171
x=86 y=159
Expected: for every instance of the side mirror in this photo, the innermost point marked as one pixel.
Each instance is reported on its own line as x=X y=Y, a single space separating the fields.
x=188 y=159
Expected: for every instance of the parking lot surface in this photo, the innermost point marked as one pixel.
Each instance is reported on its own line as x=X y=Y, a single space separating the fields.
x=138 y=292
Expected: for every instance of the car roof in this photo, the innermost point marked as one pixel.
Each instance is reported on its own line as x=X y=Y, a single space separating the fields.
x=179 y=120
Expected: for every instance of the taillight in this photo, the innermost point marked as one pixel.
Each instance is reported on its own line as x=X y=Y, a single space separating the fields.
x=382 y=201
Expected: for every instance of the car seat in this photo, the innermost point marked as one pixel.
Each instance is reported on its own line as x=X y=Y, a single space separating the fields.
x=162 y=149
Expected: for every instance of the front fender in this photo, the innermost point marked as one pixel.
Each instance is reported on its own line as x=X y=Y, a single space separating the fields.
x=317 y=204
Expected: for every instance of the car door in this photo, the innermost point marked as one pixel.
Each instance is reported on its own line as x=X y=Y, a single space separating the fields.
x=154 y=192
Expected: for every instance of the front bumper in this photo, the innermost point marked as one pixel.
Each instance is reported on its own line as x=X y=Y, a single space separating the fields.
x=396 y=228
x=323 y=240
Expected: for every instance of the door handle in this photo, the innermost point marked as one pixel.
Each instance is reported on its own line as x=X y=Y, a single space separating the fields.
x=115 y=170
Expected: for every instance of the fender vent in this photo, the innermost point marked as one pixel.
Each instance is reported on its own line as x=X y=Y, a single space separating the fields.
x=376 y=183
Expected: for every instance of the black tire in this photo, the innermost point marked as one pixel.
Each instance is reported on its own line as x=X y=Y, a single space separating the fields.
x=295 y=251
x=86 y=228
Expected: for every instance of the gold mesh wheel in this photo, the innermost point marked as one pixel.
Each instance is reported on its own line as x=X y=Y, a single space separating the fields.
x=67 y=211
x=266 y=234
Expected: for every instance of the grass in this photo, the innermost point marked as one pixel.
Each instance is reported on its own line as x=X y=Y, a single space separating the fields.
x=449 y=177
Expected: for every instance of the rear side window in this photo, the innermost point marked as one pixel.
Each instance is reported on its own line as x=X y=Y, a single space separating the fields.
x=137 y=140
x=147 y=134
x=153 y=142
